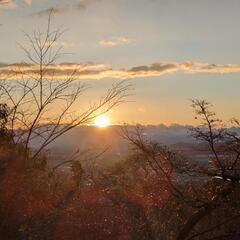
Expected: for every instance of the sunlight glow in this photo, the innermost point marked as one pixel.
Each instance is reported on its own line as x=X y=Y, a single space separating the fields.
x=102 y=121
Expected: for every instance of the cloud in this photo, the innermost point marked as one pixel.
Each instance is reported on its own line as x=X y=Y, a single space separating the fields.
x=7 y=4
x=83 y=4
x=115 y=42
x=191 y=67
x=102 y=71
x=64 y=44
x=29 y=2
x=53 y=10
x=13 y=3
x=153 y=70
x=72 y=5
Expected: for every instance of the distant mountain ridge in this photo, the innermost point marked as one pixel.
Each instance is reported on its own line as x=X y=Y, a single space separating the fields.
x=83 y=137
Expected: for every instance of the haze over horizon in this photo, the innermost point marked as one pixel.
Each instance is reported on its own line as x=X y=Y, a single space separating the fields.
x=171 y=51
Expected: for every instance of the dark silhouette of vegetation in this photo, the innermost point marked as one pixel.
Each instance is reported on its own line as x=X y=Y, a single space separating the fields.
x=206 y=195
x=154 y=193
x=37 y=106
x=4 y=115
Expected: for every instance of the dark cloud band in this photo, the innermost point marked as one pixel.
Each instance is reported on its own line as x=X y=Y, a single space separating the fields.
x=102 y=71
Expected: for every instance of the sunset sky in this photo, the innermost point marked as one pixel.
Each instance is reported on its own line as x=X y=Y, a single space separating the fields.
x=171 y=50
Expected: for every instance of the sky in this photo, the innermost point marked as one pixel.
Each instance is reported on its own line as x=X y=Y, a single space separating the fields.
x=170 y=50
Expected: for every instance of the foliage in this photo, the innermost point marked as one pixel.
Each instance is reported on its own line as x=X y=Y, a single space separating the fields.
x=4 y=116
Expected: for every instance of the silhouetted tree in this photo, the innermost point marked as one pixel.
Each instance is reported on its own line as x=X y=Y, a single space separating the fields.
x=40 y=106
x=199 y=195
x=43 y=107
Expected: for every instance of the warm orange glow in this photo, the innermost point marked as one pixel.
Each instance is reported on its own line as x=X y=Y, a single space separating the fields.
x=102 y=121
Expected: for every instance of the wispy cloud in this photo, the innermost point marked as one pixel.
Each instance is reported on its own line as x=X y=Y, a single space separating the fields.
x=102 y=71
x=29 y=2
x=7 y=4
x=13 y=3
x=115 y=42
x=71 y=5
x=64 y=44
x=5 y=1
x=83 y=4
x=52 y=10
x=193 y=67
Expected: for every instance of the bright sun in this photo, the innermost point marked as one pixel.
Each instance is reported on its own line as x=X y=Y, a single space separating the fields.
x=102 y=121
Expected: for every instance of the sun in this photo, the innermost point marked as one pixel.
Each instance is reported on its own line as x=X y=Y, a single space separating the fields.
x=102 y=121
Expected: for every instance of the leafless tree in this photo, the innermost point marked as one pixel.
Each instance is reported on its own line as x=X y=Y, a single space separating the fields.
x=42 y=106
x=222 y=169
x=200 y=191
